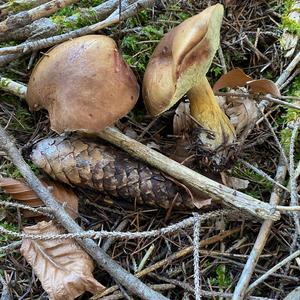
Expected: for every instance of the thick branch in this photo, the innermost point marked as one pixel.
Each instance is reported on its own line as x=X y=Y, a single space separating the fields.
x=40 y=28
x=46 y=27
x=25 y=17
x=13 y=87
x=114 y=18
x=122 y=276
x=19 y=5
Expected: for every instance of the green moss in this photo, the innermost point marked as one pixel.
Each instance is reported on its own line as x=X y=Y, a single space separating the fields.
x=240 y=171
x=4 y=238
x=16 y=7
x=138 y=47
x=222 y=278
x=286 y=22
x=291 y=25
x=21 y=118
x=290 y=115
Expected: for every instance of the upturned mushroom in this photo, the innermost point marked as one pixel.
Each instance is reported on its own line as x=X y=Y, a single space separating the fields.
x=84 y=84
x=178 y=66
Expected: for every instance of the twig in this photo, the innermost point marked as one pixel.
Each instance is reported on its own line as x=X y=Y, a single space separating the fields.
x=288 y=208
x=19 y=5
x=126 y=279
x=45 y=27
x=168 y=260
x=293 y=183
x=112 y=19
x=282 y=152
x=197 y=276
x=110 y=240
x=242 y=285
x=5 y=290
x=13 y=87
x=11 y=247
x=288 y=81
x=263 y=174
x=228 y=295
x=145 y=258
x=258 y=97
x=256 y=51
x=275 y=100
x=40 y=210
x=119 y=234
x=272 y=270
x=287 y=71
x=39 y=28
x=25 y=17
x=156 y=287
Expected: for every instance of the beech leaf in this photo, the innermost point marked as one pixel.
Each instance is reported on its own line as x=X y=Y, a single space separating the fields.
x=234 y=182
x=238 y=78
x=264 y=86
x=233 y=78
x=182 y=127
x=63 y=268
x=182 y=122
x=18 y=190
x=241 y=112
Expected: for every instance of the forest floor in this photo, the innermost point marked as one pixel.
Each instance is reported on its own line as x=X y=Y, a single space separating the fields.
x=251 y=39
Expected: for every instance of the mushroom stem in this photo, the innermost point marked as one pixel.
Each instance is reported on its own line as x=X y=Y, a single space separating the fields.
x=216 y=129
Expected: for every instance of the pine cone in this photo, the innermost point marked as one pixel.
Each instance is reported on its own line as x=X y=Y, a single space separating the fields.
x=105 y=168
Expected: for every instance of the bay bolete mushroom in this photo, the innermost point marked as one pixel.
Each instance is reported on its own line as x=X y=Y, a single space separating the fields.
x=84 y=84
x=178 y=66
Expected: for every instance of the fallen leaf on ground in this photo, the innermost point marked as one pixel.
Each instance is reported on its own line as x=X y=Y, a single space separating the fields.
x=264 y=86
x=233 y=78
x=63 y=268
x=182 y=121
x=182 y=127
x=241 y=112
x=18 y=190
x=234 y=182
x=238 y=78
x=199 y=203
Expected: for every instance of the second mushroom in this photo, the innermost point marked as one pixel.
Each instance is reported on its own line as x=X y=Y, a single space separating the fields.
x=178 y=66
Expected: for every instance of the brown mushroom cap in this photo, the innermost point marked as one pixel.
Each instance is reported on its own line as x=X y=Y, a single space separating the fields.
x=181 y=59
x=84 y=84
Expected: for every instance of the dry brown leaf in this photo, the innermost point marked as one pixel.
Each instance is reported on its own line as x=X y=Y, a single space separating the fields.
x=182 y=126
x=264 y=86
x=237 y=78
x=241 y=112
x=199 y=203
x=233 y=78
x=234 y=182
x=18 y=190
x=64 y=269
x=182 y=122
